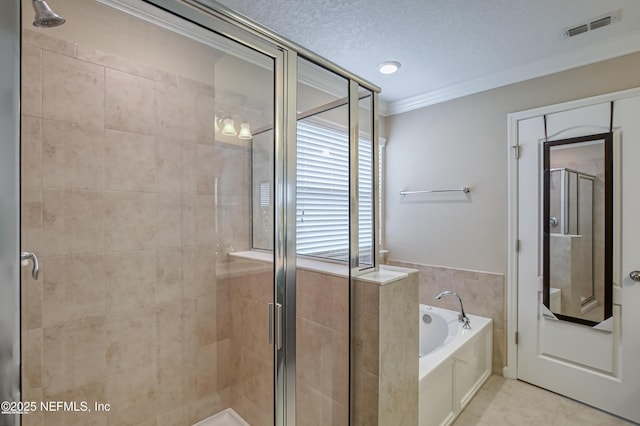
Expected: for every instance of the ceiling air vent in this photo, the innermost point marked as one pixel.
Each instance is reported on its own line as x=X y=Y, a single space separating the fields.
x=576 y=30
x=593 y=24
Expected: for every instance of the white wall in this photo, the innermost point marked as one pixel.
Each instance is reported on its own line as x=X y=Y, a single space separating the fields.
x=464 y=142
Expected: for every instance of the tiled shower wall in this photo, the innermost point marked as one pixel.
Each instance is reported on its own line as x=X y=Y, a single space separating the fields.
x=117 y=201
x=482 y=293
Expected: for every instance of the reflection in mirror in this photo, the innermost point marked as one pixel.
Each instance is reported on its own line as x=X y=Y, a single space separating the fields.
x=578 y=205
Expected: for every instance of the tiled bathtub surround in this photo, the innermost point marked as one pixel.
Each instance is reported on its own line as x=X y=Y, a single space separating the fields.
x=483 y=294
x=116 y=157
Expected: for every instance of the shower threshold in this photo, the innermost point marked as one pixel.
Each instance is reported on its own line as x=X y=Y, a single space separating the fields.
x=226 y=417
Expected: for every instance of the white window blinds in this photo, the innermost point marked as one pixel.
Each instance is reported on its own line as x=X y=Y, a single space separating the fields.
x=323 y=192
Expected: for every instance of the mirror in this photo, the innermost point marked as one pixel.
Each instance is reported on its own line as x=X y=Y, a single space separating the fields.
x=578 y=228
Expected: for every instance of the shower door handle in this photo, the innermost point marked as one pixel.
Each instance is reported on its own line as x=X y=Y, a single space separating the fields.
x=275 y=324
x=25 y=257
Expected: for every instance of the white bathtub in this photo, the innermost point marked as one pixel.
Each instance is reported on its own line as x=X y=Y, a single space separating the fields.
x=454 y=363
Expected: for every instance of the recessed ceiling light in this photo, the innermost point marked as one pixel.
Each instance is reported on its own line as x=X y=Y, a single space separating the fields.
x=389 y=67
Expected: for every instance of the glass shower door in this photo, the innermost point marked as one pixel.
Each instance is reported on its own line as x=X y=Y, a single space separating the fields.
x=137 y=135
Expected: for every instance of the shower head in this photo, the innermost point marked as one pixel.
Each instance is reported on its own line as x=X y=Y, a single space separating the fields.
x=45 y=17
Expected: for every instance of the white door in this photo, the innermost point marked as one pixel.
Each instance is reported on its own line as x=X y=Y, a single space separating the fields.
x=598 y=367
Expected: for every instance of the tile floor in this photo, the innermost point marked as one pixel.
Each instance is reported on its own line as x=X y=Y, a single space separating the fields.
x=511 y=402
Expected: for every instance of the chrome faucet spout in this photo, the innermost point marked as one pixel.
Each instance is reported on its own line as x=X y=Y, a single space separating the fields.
x=462 y=317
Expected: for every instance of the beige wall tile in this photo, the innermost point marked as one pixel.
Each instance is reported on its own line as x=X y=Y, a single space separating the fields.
x=31 y=97
x=223 y=311
x=73 y=156
x=309 y=406
x=250 y=324
x=133 y=395
x=73 y=222
x=168 y=276
x=171 y=383
x=31 y=217
x=171 y=325
x=224 y=356
x=206 y=112
x=189 y=168
x=129 y=102
x=335 y=367
x=198 y=270
x=53 y=223
x=175 y=112
x=43 y=41
x=32 y=394
x=130 y=221
x=204 y=362
x=255 y=379
x=73 y=288
x=234 y=169
x=205 y=319
x=206 y=169
x=31 y=151
x=249 y=411
x=168 y=165
x=130 y=279
x=311 y=296
x=84 y=222
x=174 y=417
x=32 y=358
x=129 y=161
x=126 y=65
x=309 y=342
x=31 y=293
x=168 y=216
x=195 y=86
x=205 y=220
x=398 y=348
x=188 y=220
x=130 y=340
x=72 y=90
x=255 y=283
x=91 y=393
x=365 y=404
x=74 y=355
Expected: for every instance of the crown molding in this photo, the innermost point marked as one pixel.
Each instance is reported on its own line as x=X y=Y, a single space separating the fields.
x=592 y=53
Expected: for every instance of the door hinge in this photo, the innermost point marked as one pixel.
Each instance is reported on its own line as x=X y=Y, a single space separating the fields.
x=516 y=151
x=517 y=245
x=517 y=337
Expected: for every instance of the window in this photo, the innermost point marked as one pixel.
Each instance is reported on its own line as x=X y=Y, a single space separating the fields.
x=323 y=192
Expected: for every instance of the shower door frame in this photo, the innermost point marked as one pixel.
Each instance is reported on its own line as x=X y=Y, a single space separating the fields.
x=10 y=326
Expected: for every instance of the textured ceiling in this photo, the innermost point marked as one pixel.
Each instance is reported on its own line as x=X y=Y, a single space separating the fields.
x=448 y=48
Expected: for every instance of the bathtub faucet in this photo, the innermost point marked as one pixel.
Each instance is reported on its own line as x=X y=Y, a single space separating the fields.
x=462 y=317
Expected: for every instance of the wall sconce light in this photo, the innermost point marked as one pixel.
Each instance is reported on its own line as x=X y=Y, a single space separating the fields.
x=245 y=131
x=229 y=127
x=225 y=124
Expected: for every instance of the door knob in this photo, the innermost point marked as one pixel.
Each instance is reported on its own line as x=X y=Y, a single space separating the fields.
x=36 y=265
x=635 y=275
